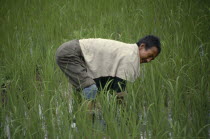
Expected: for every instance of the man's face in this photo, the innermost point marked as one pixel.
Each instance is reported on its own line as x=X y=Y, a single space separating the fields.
x=147 y=55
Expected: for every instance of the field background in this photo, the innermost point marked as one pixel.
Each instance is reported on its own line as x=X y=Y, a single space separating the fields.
x=169 y=100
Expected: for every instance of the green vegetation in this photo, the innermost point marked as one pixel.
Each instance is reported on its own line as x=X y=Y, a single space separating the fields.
x=170 y=100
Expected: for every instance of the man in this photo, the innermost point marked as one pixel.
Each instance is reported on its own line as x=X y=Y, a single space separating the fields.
x=90 y=64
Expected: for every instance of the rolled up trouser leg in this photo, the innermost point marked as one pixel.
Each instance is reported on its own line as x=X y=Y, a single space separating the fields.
x=90 y=92
x=71 y=61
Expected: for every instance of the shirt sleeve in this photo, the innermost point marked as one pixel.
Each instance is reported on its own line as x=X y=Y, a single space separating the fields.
x=118 y=85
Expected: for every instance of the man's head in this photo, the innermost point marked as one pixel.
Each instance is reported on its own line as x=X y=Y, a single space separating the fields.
x=149 y=48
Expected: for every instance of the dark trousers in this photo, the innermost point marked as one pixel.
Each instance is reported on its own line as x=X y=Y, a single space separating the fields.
x=71 y=61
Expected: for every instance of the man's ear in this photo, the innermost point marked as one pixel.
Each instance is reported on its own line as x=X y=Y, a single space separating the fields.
x=142 y=46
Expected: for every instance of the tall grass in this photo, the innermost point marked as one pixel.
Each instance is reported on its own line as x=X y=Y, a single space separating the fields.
x=169 y=100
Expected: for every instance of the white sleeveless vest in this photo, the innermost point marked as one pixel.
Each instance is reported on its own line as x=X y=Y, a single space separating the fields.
x=105 y=57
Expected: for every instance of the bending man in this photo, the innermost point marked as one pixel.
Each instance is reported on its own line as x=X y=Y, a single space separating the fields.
x=90 y=63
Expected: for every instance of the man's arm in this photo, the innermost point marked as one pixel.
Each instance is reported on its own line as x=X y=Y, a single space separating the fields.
x=119 y=85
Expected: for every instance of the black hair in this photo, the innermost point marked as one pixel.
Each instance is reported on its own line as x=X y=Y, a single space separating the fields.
x=150 y=41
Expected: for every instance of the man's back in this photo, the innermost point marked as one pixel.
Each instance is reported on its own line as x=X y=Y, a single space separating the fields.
x=110 y=58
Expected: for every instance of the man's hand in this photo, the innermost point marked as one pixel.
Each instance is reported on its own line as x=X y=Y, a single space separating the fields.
x=120 y=97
